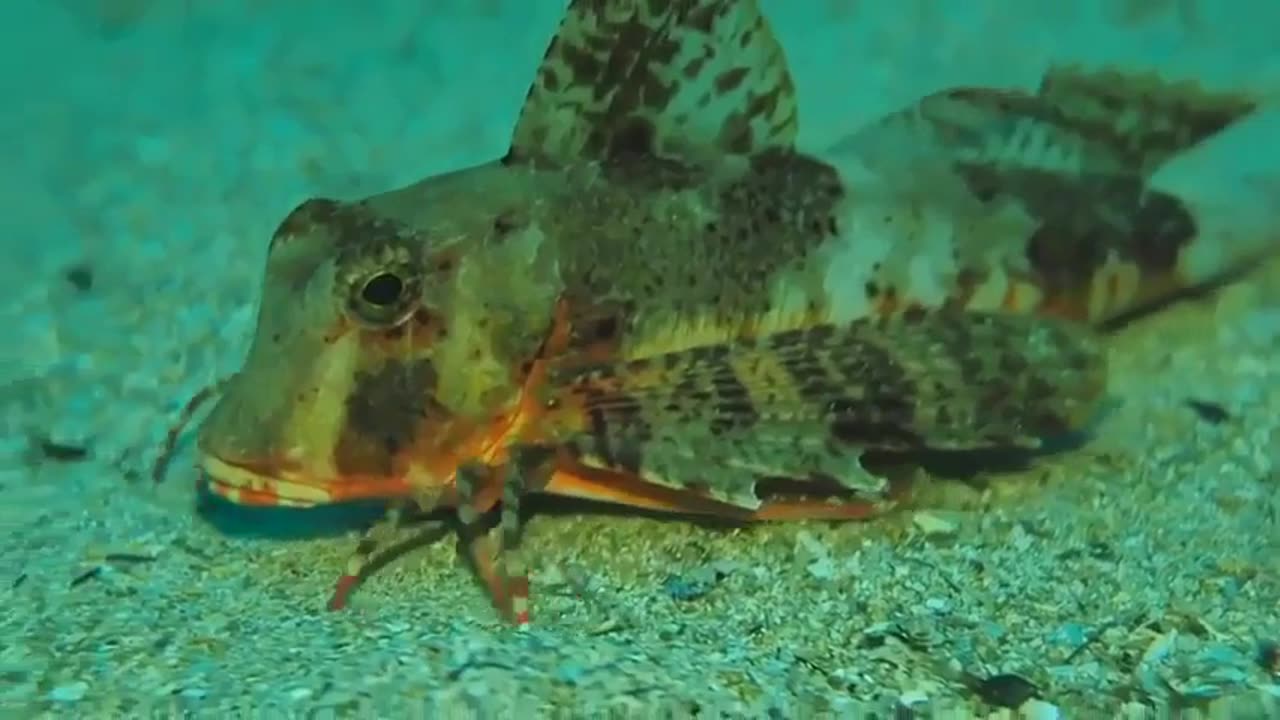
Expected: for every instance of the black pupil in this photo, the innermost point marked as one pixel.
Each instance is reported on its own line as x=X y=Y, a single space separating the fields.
x=382 y=290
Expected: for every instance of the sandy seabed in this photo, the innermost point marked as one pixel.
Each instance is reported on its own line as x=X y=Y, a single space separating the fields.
x=150 y=150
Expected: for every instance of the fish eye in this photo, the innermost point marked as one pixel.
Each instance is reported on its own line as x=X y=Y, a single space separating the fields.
x=384 y=298
x=382 y=290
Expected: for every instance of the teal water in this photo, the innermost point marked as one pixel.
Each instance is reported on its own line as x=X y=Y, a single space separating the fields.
x=150 y=148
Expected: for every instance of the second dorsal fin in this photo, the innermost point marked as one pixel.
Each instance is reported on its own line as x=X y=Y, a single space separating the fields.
x=663 y=77
x=1140 y=117
x=1100 y=123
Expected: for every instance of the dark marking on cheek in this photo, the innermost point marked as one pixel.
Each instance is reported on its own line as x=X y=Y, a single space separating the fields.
x=385 y=414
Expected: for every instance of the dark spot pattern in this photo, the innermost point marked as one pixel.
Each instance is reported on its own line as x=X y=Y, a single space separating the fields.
x=1116 y=130
x=865 y=396
x=385 y=412
x=1127 y=122
x=711 y=252
x=368 y=247
x=1085 y=219
x=350 y=224
x=722 y=416
x=659 y=79
x=1145 y=119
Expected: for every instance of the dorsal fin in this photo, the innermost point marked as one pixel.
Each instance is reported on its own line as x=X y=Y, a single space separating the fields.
x=1144 y=119
x=1078 y=122
x=667 y=77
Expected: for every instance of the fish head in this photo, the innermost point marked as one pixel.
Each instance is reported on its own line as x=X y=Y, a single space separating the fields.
x=387 y=351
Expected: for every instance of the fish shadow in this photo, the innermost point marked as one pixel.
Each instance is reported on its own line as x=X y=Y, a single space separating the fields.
x=326 y=521
x=284 y=523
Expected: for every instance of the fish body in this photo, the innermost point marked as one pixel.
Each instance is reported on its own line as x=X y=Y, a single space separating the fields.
x=655 y=298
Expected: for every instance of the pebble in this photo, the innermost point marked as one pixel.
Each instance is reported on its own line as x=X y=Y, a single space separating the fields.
x=911 y=698
x=631 y=656
x=69 y=693
x=1039 y=710
x=937 y=605
x=933 y=525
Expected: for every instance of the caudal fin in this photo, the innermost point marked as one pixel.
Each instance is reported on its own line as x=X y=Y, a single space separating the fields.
x=1095 y=168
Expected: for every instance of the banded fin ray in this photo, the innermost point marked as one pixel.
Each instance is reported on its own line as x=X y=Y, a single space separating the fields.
x=805 y=404
x=675 y=78
x=1076 y=164
x=1078 y=123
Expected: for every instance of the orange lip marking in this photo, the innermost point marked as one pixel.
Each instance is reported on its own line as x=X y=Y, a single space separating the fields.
x=249 y=484
x=243 y=495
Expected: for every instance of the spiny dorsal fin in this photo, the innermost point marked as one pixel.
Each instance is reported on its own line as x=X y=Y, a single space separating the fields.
x=668 y=77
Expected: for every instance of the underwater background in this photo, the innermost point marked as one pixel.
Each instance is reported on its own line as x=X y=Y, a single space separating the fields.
x=150 y=149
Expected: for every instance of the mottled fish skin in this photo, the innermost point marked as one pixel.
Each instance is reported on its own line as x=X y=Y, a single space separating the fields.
x=803 y=404
x=653 y=187
x=1074 y=168
x=655 y=281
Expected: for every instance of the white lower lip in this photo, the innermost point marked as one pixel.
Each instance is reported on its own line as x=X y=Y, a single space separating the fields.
x=231 y=479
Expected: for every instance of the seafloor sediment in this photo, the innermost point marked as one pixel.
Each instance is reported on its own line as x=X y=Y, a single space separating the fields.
x=1138 y=568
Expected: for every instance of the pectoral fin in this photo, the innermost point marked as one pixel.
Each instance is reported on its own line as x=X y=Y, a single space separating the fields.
x=804 y=405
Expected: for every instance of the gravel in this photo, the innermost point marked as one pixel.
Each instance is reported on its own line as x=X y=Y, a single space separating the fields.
x=149 y=159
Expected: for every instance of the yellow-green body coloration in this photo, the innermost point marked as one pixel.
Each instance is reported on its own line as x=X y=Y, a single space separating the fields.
x=655 y=299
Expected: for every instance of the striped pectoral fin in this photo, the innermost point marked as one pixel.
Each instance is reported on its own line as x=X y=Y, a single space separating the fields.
x=965 y=381
x=804 y=405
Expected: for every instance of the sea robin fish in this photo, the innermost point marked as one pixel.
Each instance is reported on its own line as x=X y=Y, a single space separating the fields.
x=655 y=299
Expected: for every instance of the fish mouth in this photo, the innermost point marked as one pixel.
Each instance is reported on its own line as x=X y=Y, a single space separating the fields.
x=258 y=485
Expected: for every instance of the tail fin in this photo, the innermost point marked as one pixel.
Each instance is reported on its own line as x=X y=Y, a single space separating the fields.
x=1129 y=186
